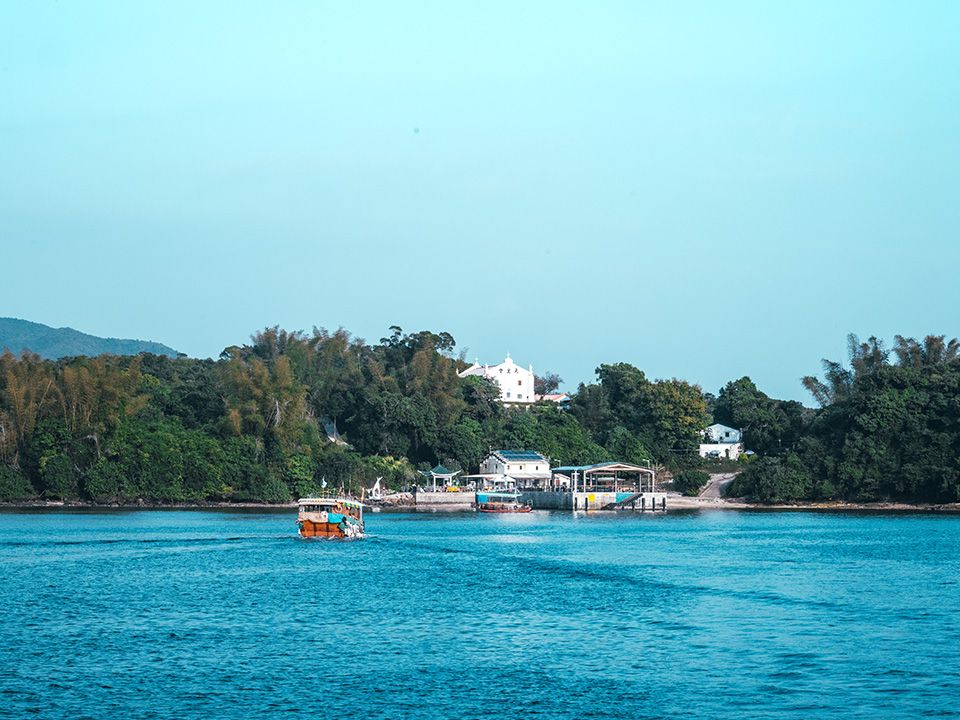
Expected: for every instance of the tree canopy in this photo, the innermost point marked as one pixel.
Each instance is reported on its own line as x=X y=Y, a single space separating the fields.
x=887 y=431
x=290 y=412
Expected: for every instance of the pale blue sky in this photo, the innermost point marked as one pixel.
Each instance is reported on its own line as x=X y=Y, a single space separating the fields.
x=705 y=190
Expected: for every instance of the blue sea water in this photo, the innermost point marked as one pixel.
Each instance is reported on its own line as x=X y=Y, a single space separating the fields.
x=715 y=614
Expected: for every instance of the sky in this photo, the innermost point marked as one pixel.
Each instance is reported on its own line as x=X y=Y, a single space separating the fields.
x=704 y=190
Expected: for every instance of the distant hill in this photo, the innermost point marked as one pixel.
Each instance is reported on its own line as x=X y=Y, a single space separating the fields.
x=52 y=343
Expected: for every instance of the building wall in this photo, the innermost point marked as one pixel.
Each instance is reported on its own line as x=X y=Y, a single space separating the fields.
x=425 y=497
x=516 y=383
x=722 y=434
x=493 y=465
x=726 y=450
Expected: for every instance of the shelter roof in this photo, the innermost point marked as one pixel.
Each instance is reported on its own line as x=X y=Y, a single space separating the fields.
x=611 y=466
x=440 y=470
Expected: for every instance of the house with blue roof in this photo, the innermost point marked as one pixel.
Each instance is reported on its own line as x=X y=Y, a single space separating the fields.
x=523 y=465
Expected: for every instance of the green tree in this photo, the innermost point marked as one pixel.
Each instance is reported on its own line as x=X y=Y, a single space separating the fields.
x=463 y=441
x=768 y=425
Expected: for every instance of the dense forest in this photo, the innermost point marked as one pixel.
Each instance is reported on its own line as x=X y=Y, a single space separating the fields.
x=887 y=430
x=292 y=412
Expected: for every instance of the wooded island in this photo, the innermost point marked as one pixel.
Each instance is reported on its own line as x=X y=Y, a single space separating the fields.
x=258 y=424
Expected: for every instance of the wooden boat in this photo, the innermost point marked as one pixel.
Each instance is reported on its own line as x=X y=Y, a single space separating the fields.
x=500 y=502
x=330 y=517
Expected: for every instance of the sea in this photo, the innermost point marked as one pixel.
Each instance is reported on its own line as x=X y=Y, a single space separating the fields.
x=137 y=614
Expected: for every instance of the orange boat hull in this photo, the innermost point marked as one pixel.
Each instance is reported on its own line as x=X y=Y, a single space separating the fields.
x=312 y=529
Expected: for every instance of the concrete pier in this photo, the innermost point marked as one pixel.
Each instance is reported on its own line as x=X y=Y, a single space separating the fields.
x=550 y=500
x=445 y=499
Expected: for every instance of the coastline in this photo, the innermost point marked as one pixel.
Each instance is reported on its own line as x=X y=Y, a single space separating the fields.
x=674 y=502
x=693 y=503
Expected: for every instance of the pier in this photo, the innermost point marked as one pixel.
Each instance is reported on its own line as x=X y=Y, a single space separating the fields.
x=565 y=500
x=555 y=500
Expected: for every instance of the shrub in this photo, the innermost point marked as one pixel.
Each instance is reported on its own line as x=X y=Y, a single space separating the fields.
x=14 y=486
x=690 y=482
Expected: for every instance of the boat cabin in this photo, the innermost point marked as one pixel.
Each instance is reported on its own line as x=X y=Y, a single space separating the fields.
x=500 y=502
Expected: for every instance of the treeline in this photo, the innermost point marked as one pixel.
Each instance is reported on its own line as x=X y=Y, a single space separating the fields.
x=888 y=430
x=291 y=413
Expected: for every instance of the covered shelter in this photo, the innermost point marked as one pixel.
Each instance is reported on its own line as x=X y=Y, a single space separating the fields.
x=492 y=481
x=442 y=474
x=614 y=477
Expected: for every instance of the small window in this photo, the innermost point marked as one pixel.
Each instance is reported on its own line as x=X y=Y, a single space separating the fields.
x=508 y=394
x=519 y=396
x=519 y=382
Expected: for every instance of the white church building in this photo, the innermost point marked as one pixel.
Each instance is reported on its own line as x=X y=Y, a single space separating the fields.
x=516 y=383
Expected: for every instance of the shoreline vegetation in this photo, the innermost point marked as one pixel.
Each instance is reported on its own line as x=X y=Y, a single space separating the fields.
x=291 y=414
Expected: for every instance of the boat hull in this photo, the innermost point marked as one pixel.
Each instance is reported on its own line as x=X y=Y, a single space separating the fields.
x=319 y=529
x=521 y=509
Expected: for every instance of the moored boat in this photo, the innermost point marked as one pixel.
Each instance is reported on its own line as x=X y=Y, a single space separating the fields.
x=329 y=517
x=500 y=502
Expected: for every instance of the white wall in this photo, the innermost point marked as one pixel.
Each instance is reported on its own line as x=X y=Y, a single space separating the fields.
x=493 y=465
x=516 y=383
x=726 y=450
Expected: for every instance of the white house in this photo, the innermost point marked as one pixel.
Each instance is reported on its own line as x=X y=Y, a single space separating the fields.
x=718 y=433
x=502 y=469
x=516 y=383
x=515 y=462
x=721 y=441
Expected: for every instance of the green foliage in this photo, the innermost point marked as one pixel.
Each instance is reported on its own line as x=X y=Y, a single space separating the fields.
x=776 y=480
x=395 y=473
x=665 y=417
x=14 y=485
x=105 y=480
x=339 y=467
x=769 y=426
x=690 y=482
x=58 y=477
x=481 y=396
x=300 y=475
x=463 y=441
x=557 y=435
x=886 y=432
x=252 y=426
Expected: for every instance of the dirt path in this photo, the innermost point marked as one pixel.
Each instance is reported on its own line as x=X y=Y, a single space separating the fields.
x=714 y=487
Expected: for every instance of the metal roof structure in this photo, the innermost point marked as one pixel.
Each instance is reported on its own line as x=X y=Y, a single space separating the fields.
x=520 y=455
x=604 y=475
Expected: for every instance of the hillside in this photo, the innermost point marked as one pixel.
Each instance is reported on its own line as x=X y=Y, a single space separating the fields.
x=52 y=343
